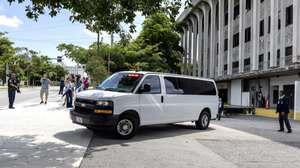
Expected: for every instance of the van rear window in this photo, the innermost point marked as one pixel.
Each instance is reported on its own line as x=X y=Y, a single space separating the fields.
x=189 y=86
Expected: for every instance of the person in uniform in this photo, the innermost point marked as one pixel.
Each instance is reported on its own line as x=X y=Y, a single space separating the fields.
x=13 y=87
x=61 y=86
x=283 y=112
x=221 y=108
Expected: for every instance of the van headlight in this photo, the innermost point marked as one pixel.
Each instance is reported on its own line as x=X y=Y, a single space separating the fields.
x=104 y=107
x=104 y=103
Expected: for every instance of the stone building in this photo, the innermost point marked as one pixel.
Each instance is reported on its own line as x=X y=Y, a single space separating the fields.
x=250 y=47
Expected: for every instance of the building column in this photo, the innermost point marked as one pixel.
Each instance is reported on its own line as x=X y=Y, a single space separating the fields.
x=282 y=34
x=189 y=48
x=221 y=38
x=194 y=46
x=205 y=39
x=242 y=35
x=273 y=34
x=255 y=34
x=266 y=36
x=296 y=33
x=185 y=38
x=230 y=36
x=213 y=40
x=199 y=41
x=182 y=45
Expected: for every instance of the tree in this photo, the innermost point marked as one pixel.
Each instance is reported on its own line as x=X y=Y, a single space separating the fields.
x=7 y=53
x=95 y=65
x=97 y=15
x=159 y=34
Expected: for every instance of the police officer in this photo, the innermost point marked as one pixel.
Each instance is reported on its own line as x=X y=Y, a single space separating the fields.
x=283 y=110
x=13 y=87
x=220 y=109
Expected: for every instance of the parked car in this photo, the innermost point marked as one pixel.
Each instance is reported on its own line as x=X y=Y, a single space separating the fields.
x=127 y=100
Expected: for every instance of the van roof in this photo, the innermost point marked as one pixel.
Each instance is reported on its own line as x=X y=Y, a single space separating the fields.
x=166 y=74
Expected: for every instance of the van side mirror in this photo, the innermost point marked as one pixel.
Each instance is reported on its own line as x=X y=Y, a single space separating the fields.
x=145 y=88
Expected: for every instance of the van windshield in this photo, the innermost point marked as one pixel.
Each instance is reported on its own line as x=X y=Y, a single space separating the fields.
x=121 y=82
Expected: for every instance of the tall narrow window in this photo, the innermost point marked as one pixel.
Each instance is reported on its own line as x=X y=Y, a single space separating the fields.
x=235 y=64
x=248 y=34
x=225 y=44
x=289 y=51
x=248 y=4
x=289 y=15
x=236 y=41
x=261 y=28
x=236 y=11
x=269 y=24
x=226 y=19
x=261 y=58
x=247 y=61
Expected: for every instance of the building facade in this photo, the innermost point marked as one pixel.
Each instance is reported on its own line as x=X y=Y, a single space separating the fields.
x=76 y=70
x=250 y=47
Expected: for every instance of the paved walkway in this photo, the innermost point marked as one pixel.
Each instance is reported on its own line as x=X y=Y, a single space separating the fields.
x=35 y=135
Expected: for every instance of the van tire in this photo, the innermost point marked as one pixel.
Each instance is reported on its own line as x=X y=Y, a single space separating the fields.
x=203 y=121
x=126 y=126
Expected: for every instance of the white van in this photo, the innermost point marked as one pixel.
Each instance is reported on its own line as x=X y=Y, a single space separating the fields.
x=127 y=100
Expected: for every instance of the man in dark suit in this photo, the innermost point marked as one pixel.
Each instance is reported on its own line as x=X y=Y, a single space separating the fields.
x=13 y=87
x=283 y=110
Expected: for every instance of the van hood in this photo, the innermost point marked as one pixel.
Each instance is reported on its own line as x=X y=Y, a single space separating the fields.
x=98 y=94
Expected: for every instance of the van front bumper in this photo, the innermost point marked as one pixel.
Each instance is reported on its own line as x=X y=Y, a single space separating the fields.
x=93 y=120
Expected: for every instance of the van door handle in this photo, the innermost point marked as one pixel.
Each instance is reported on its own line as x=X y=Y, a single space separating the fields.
x=162 y=99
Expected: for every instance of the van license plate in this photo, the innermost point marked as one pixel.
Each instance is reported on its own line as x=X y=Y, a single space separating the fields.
x=79 y=120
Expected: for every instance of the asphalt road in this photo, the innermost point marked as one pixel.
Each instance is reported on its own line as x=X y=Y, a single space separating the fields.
x=242 y=141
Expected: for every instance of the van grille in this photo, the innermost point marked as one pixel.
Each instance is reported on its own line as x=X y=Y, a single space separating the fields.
x=84 y=106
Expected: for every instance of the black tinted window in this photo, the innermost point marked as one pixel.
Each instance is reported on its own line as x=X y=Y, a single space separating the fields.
x=172 y=86
x=189 y=86
x=154 y=82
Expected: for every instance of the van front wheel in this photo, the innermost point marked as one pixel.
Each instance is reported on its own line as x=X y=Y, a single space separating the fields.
x=126 y=127
x=203 y=121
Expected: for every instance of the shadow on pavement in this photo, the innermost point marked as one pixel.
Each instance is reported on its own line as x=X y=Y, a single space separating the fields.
x=73 y=137
x=32 y=105
x=105 y=137
x=24 y=151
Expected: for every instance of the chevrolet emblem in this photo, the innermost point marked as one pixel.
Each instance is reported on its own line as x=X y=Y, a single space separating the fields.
x=82 y=105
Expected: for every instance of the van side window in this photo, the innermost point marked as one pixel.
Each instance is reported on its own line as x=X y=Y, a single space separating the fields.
x=154 y=82
x=189 y=86
x=172 y=86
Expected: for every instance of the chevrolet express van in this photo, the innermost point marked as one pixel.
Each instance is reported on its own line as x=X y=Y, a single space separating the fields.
x=127 y=100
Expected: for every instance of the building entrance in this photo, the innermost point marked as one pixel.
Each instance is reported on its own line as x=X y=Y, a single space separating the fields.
x=289 y=91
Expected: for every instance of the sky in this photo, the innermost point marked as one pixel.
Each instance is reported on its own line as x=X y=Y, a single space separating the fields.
x=45 y=34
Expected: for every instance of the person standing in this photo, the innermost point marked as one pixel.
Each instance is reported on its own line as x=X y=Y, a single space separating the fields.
x=13 y=87
x=220 y=109
x=85 y=83
x=283 y=110
x=78 y=84
x=69 y=92
x=61 y=86
x=45 y=82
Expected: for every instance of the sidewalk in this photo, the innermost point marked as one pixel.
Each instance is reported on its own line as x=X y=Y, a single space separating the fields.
x=39 y=135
